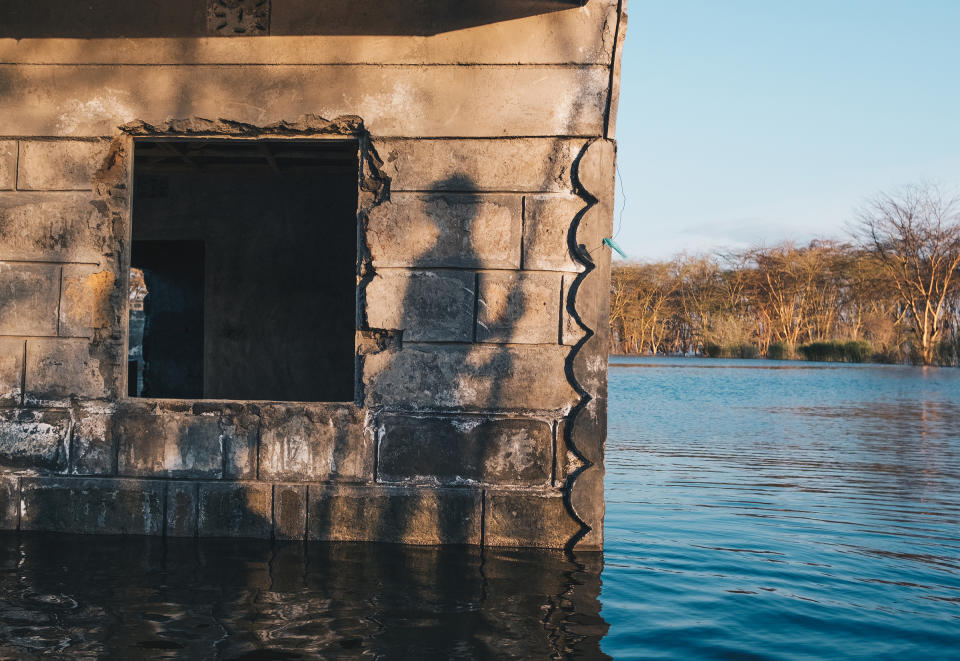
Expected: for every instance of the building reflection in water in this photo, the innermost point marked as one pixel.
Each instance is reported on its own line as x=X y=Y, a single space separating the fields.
x=229 y=599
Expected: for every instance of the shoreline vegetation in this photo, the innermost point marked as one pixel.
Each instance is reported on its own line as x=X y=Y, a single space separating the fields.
x=889 y=295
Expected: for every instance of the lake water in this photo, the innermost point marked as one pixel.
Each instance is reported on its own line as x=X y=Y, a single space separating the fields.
x=761 y=509
x=755 y=509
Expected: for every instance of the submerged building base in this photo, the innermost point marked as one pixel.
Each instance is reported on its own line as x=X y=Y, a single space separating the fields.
x=187 y=508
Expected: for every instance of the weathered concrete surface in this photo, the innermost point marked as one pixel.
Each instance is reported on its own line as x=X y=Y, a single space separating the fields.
x=518 y=307
x=92 y=450
x=203 y=441
x=11 y=370
x=578 y=35
x=409 y=514
x=516 y=518
x=168 y=444
x=9 y=502
x=462 y=449
x=106 y=506
x=182 y=498
x=428 y=306
x=30 y=295
x=34 y=439
x=393 y=514
x=475 y=175
x=566 y=462
x=587 y=429
x=546 y=228
x=66 y=227
x=610 y=131
x=394 y=101
x=570 y=331
x=474 y=377
x=234 y=509
x=472 y=166
x=315 y=443
x=289 y=511
x=85 y=306
x=8 y=164
x=59 y=165
x=451 y=230
x=240 y=430
x=58 y=369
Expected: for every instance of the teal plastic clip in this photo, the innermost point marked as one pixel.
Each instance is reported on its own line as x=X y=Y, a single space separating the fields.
x=613 y=246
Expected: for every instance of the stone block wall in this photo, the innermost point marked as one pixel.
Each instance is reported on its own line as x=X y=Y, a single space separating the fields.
x=486 y=189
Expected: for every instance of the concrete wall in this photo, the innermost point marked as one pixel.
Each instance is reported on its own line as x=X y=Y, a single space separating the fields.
x=487 y=160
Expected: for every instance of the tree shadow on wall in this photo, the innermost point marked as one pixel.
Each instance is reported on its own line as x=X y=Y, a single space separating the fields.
x=437 y=386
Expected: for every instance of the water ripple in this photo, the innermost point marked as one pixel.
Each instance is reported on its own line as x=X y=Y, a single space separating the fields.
x=782 y=513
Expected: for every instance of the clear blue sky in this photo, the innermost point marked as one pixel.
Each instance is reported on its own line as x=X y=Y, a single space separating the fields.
x=754 y=121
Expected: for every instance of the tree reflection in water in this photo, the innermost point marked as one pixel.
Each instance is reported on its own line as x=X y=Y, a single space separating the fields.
x=154 y=598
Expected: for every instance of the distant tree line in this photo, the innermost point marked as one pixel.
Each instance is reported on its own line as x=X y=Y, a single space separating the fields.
x=890 y=294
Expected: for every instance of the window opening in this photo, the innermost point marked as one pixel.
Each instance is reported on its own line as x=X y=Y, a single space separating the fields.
x=243 y=270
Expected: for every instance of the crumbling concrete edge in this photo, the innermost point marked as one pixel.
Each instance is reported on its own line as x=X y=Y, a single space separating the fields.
x=581 y=254
x=374 y=190
x=305 y=126
x=616 y=58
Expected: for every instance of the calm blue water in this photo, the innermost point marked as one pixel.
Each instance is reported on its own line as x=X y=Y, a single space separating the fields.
x=755 y=510
x=760 y=509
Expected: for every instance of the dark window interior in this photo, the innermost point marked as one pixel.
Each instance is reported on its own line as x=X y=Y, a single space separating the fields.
x=243 y=270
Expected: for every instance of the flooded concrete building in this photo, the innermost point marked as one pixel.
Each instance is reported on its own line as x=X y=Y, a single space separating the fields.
x=307 y=270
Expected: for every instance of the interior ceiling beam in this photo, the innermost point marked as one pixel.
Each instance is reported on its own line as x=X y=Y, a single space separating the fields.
x=171 y=168
x=223 y=155
x=169 y=146
x=265 y=150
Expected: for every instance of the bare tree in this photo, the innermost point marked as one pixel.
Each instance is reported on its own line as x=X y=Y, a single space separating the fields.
x=916 y=235
x=897 y=291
